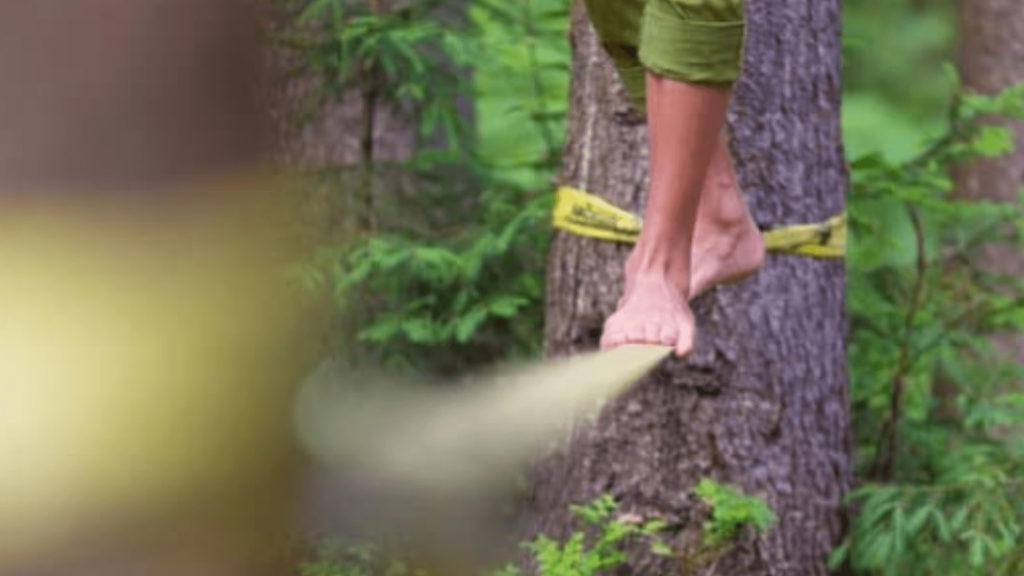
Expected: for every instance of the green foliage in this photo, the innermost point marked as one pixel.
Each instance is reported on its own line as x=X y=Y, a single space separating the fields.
x=731 y=510
x=597 y=547
x=936 y=411
x=474 y=298
x=406 y=56
x=583 y=556
x=936 y=408
x=448 y=275
x=893 y=99
x=586 y=552
x=521 y=87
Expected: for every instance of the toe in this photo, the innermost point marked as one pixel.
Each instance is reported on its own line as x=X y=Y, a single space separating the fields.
x=668 y=335
x=683 y=344
x=653 y=334
x=610 y=340
x=613 y=334
x=683 y=350
x=637 y=333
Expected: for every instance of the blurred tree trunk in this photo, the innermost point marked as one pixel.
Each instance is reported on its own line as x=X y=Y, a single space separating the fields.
x=363 y=135
x=356 y=146
x=334 y=134
x=991 y=60
x=128 y=128
x=762 y=401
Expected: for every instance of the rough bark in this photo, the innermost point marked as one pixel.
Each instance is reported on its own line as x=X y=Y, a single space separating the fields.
x=761 y=403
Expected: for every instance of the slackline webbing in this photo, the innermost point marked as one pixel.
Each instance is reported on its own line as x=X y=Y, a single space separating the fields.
x=585 y=214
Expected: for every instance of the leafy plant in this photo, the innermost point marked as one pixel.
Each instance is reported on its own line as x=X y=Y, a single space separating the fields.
x=936 y=405
x=476 y=298
x=731 y=510
x=598 y=546
x=448 y=275
x=405 y=55
x=580 y=556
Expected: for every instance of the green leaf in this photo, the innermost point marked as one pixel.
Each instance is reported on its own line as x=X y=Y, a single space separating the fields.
x=316 y=9
x=659 y=548
x=941 y=526
x=976 y=554
x=898 y=534
x=653 y=526
x=951 y=73
x=731 y=510
x=918 y=518
x=506 y=305
x=838 y=556
x=466 y=325
x=420 y=330
x=957 y=521
x=384 y=329
x=993 y=141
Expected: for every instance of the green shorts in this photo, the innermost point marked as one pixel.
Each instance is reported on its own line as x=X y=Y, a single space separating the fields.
x=695 y=41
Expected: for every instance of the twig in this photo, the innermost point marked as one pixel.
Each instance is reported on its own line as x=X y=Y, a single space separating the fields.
x=889 y=440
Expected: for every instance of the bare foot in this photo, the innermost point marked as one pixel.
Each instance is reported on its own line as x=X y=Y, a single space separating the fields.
x=728 y=253
x=653 y=311
x=727 y=246
x=685 y=145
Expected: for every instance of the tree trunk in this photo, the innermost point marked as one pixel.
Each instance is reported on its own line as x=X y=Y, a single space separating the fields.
x=992 y=59
x=761 y=403
x=356 y=127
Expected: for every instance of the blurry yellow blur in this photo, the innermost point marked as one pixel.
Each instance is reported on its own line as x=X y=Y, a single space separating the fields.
x=146 y=342
x=145 y=365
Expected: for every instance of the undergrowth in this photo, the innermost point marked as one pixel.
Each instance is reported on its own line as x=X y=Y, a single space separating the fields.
x=597 y=546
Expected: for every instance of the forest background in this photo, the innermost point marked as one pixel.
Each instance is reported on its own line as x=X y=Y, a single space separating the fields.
x=428 y=232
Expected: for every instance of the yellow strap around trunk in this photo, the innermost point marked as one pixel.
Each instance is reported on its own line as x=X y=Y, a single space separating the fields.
x=585 y=214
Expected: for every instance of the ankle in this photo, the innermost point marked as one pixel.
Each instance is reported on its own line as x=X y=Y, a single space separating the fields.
x=730 y=208
x=646 y=262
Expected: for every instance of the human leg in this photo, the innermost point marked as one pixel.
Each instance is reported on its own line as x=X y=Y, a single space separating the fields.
x=682 y=119
x=691 y=49
x=727 y=245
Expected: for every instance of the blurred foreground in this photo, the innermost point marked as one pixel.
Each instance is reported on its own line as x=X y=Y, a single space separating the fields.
x=147 y=347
